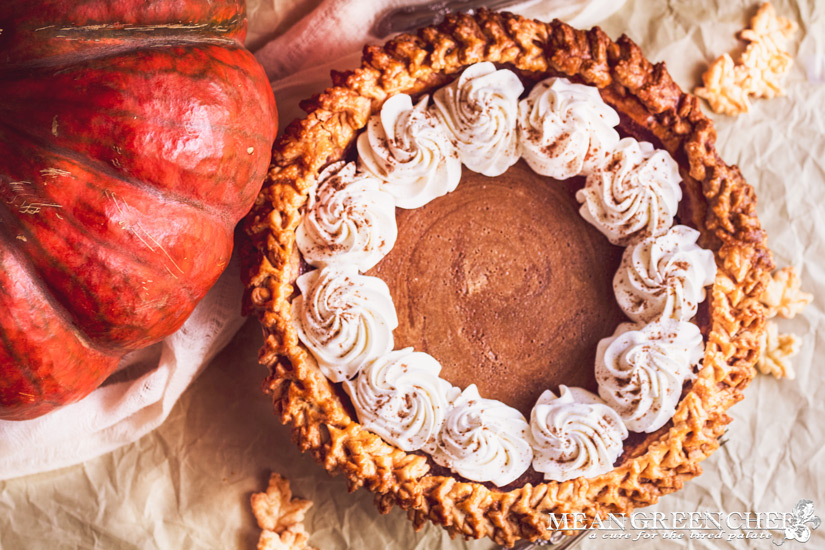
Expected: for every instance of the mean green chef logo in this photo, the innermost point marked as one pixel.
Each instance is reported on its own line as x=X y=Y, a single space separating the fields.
x=797 y=525
x=800 y=523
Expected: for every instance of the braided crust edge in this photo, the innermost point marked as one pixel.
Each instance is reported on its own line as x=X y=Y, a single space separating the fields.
x=723 y=209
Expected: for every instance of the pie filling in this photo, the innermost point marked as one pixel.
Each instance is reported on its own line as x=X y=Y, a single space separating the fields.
x=504 y=276
x=505 y=283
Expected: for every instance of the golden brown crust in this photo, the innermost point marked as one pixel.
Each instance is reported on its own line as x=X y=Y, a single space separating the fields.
x=723 y=209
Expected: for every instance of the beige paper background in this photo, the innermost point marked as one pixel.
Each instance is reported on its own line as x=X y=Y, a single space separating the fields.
x=187 y=484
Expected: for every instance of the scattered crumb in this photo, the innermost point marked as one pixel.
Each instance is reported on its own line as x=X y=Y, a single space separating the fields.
x=721 y=89
x=783 y=296
x=761 y=68
x=280 y=516
x=775 y=352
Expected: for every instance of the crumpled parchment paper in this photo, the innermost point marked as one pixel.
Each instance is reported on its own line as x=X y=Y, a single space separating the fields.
x=187 y=485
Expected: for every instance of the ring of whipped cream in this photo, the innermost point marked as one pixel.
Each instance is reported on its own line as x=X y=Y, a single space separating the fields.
x=411 y=154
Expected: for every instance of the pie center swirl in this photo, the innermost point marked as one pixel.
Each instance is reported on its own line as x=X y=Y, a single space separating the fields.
x=506 y=284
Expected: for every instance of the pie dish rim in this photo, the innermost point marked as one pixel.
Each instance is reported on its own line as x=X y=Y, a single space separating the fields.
x=414 y=64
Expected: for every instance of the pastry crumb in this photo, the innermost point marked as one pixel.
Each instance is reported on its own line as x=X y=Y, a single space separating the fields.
x=280 y=516
x=776 y=351
x=761 y=69
x=783 y=296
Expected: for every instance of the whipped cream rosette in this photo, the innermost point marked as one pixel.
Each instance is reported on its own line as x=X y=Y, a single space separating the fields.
x=634 y=195
x=575 y=434
x=641 y=370
x=480 y=108
x=400 y=397
x=345 y=319
x=484 y=440
x=350 y=220
x=664 y=276
x=411 y=154
x=565 y=129
x=409 y=148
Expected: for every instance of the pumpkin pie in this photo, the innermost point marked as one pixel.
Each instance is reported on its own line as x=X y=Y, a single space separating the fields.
x=435 y=350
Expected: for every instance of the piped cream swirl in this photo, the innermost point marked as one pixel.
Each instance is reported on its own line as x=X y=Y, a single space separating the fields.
x=344 y=319
x=565 y=129
x=634 y=195
x=664 y=276
x=484 y=440
x=411 y=154
x=641 y=370
x=350 y=220
x=400 y=397
x=410 y=150
x=575 y=434
x=480 y=108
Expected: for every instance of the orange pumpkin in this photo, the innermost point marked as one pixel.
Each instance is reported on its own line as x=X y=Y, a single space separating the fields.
x=134 y=135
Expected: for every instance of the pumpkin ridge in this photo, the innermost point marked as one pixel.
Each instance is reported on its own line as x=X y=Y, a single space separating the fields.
x=50 y=293
x=82 y=333
x=46 y=377
x=164 y=123
x=19 y=235
x=24 y=68
x=107 y=169
x=60 y=311
x=214 y=212
x=231 y=139
x=54 y=295
x=8 y=348
x=25 y=235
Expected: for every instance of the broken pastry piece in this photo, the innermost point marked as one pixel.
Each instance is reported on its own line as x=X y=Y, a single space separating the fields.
x=280 y=516
x=761 y=68
x=776 y=351
x=783 y=296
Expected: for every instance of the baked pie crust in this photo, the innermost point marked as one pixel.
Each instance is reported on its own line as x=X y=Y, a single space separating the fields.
x=722 y=208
